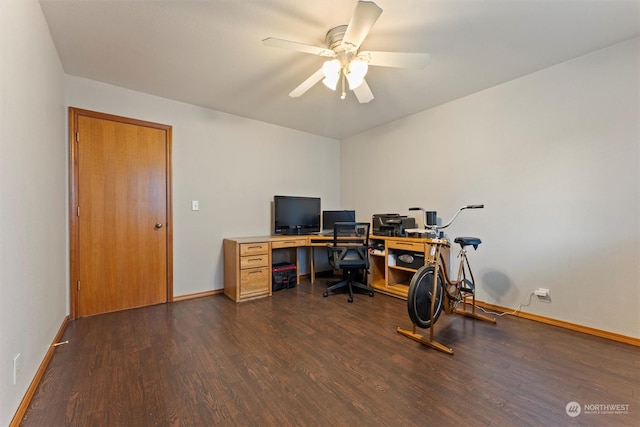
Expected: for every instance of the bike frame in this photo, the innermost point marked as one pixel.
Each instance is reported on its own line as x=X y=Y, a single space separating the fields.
x=440 y=264
x=436 y=259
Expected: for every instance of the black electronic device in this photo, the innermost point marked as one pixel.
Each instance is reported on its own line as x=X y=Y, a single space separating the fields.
x=393 y=224
x=331 y=217
x=283 y=276
x=296 y=215
x=409 y=259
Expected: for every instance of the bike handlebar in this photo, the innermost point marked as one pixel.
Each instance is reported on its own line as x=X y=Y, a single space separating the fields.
x=440 y=227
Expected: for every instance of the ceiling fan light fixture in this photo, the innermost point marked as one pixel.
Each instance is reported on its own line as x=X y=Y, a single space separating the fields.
x=358 y=68
x=331 y=71
x=354 y=81
x=330 y=83
x=355 y=72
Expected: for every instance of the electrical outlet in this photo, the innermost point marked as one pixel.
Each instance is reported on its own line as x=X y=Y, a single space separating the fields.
x=16 y=368
x=542 y=292
x=195 y=205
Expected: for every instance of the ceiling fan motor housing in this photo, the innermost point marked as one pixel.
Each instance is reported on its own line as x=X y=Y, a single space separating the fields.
x=334 y=42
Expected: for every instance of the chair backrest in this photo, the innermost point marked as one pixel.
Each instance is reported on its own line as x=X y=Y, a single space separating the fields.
x=350 y=246
x=351 y=233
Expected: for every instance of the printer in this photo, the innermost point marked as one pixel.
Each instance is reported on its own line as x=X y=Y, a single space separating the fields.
x=392 y=224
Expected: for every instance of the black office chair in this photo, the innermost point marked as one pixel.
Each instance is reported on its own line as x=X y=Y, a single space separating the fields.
x=349 y=252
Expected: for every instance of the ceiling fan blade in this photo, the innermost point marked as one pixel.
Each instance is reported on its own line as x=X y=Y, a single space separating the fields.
x=395 y=59
x=300 y=47
x=307 y=84
x=365 y=15
x=363 y=93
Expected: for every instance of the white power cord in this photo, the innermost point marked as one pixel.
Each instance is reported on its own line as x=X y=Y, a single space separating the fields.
x=511 y=312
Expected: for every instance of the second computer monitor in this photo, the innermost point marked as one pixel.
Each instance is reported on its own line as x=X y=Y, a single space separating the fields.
x=331 y=217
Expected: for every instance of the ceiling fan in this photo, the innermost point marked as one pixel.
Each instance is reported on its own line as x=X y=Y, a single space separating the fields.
x=345 y=60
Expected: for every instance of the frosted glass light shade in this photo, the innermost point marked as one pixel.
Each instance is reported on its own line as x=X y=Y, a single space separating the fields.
x=358 y=68
x=331 y=71
x=330 y=83
x=355 y=73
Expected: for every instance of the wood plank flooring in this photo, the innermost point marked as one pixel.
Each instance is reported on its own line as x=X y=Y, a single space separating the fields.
x=298 y=359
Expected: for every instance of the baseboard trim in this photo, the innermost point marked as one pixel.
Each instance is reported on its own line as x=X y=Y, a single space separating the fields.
x=562 y=324
x=26 y=400
x=198 y=295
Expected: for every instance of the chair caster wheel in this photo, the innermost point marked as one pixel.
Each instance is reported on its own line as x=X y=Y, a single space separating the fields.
x=326 y=294
x=370 y=294
x=350 y=299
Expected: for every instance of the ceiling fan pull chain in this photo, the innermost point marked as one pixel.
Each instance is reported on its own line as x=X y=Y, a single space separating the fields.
x=344 y=94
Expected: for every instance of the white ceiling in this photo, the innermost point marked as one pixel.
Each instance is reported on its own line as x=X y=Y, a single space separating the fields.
x=209 y=53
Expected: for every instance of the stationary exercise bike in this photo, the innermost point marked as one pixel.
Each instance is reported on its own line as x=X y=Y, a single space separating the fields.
x=432 y=291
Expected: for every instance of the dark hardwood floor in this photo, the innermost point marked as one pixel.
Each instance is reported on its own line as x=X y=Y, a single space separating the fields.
x=300 y=359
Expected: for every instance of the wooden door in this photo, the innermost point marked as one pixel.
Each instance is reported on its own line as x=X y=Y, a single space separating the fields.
x=120 y=227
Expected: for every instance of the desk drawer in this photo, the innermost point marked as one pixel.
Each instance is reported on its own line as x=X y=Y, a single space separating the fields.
x=254 y=281
x=254 y=248
x=405 y=246
x=289 y=243
x=261 y=260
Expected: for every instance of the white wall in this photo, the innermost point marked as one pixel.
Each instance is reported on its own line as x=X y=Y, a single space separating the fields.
x=33 y=220
x=555 y=157
x=232 y=165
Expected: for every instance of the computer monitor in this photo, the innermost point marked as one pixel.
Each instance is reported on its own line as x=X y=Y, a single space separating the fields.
x=296 y=215
x=331 y=217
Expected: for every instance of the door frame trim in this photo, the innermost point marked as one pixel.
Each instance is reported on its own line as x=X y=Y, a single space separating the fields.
x=74 y=222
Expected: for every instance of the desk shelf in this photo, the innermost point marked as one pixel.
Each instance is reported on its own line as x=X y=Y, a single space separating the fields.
x=377 y=274
x=399 y=290
x=397 y=267
x=394 y=280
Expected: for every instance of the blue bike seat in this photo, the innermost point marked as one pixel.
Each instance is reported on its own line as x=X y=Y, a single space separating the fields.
x=468 y=241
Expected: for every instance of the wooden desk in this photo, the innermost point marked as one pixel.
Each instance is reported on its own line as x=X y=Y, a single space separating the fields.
x=247 y=263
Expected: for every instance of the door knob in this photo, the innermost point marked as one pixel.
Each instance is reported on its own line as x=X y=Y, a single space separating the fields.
x=158 y=225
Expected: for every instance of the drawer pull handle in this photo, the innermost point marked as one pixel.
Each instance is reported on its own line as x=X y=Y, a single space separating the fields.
x=255 y=247
x=255 y=272
x=254 y=259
